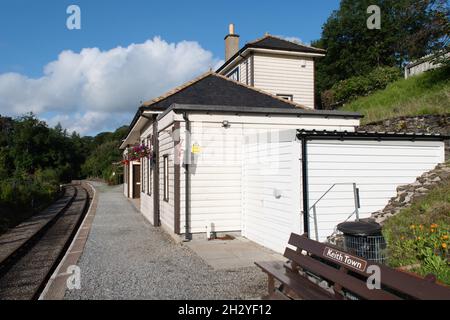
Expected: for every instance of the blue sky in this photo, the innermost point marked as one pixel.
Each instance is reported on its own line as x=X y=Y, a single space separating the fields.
x=33 y=34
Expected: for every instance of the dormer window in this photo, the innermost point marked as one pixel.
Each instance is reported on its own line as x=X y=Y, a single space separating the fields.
x=234 y=75
x=288 y=97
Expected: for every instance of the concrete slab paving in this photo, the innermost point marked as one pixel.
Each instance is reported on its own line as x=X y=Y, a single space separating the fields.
x=229 y=254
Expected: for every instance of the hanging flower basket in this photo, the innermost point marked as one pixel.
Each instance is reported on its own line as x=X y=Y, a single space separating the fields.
x=136 y=153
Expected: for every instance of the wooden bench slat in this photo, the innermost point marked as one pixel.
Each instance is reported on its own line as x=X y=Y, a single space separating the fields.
x=277 y=295
x=399 y=281
x=302 y=286
x=346 y=281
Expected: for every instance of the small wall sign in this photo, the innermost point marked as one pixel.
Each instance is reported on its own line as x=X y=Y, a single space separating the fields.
x=345 y=258
x=196 y=149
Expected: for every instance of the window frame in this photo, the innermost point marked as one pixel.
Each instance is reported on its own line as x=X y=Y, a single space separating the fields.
x=125 y=171
x=142 y=173
x=290 y=97
x=234 y=72
x=166 y=177
x=149 y=168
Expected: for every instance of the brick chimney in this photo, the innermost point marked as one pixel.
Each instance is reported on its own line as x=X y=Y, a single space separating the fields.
x=231 y=43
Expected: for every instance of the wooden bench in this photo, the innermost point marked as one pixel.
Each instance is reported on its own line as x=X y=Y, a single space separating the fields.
x=318 y=271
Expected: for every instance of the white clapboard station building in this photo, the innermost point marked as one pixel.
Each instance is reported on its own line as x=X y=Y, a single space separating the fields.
x=242 y=150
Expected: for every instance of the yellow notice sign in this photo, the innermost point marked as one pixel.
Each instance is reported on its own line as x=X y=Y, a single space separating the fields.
x=196 y=149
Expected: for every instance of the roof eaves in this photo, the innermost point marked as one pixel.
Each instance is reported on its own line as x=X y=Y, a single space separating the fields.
x=299 y=44
x=258 y=110
x=253 y=44
x=132 y=124
x=237 y=54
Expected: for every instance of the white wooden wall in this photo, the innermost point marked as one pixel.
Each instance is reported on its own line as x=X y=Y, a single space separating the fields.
x=167 y=208
x=271 y=190
x=377 y=168
x=216 y=177
x=285 y=75
x=146 y=198
x=216 y=180
x=125 y=180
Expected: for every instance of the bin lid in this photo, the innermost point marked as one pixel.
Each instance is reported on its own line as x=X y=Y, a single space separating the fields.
x=359 y=228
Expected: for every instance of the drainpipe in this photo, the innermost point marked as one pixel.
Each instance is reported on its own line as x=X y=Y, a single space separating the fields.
x=187 y=176
x=305 y=186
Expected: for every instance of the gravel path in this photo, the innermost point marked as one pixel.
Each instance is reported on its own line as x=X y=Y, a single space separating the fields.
x=127 y=258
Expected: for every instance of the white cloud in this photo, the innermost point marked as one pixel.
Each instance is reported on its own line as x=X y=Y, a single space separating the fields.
x=294 y=39
x=90 y=122
x=89 y=89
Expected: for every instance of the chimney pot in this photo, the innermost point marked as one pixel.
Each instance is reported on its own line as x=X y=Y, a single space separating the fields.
x=231 y=28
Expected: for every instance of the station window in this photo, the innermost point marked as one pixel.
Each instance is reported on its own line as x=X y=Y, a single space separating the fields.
x=142 y=173
x=234 y=75
x=288 y=97
x=149 y=168
x=166 y=177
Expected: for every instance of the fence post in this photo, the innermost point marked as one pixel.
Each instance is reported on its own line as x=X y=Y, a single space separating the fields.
x=356 y=197
x=316 y=229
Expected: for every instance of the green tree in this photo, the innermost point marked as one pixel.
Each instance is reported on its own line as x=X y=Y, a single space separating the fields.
x=105 y=152
x=409 y=30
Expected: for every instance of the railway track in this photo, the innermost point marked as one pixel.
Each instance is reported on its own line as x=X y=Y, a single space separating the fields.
x=30 y=252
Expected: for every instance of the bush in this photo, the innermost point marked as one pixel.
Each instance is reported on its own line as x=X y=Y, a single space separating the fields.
x=347 y=90
x=419 y=235
x=22 y=195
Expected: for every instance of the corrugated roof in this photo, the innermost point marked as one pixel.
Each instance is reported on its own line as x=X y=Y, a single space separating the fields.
x=374 y=135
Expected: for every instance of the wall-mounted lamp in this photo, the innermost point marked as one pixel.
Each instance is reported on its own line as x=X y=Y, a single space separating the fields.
x=225 y=124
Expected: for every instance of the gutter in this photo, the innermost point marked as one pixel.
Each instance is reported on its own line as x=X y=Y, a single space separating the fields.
x=243 y=110
x=141 y=112
x=187 y=176
x=367 y=136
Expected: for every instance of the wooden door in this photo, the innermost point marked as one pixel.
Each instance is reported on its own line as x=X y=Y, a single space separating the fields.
x=136 y=181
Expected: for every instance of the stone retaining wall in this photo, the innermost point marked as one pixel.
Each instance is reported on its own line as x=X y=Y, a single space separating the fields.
x=435 y=124
x=408 y=193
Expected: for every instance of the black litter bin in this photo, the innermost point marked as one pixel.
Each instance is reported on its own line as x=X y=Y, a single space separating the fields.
x=364 y=239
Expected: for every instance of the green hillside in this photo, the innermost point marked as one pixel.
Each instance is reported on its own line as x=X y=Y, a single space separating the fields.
x=428 y=93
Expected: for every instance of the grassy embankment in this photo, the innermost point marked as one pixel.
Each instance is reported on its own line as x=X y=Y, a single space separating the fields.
x=428 y=93
x=418 y=236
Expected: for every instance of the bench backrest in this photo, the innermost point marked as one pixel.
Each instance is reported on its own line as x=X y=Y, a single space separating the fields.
x=350 y=272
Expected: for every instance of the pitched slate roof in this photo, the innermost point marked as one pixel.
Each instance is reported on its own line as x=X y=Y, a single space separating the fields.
x=274 y=43
x=214 y=90
x=221 y=93
x=217 y=90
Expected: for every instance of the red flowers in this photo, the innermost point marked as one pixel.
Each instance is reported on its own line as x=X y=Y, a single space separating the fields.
x=136 y=153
